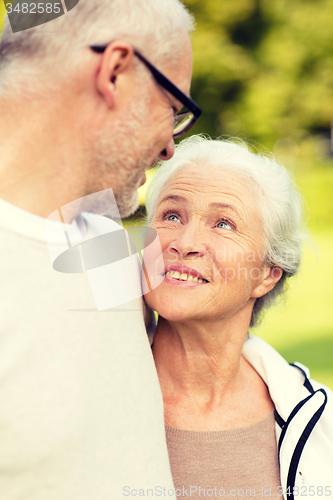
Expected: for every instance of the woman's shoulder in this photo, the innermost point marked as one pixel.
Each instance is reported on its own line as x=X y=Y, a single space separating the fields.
x=288 y=383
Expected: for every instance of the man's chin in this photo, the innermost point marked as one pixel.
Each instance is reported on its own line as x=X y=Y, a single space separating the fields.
x=127 y=204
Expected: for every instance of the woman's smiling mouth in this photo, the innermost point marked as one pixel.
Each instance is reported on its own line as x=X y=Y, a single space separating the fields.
x=176 y=275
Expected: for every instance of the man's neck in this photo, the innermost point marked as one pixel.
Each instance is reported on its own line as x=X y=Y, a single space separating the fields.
x=38 y=158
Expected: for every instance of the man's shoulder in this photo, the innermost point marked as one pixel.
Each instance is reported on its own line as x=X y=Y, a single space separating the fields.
x=99 y=224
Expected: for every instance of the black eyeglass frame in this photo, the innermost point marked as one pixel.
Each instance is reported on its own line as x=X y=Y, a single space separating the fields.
x=169 y=86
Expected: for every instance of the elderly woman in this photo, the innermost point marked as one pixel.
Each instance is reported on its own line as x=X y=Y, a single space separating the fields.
x=240 y=421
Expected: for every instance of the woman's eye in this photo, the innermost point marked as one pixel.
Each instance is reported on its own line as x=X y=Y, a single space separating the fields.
x=223 y=224
x=172 y=217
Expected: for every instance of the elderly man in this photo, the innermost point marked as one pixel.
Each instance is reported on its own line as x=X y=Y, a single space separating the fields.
x=82 y=109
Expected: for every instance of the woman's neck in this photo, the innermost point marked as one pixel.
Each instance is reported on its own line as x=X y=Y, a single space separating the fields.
x=195 y=359
x=205 y=381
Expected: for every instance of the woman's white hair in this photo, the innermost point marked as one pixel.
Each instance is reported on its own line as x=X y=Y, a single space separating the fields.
x=155 y=27
x=279 y=202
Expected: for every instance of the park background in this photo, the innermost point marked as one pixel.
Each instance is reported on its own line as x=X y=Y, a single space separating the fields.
x=263 y=71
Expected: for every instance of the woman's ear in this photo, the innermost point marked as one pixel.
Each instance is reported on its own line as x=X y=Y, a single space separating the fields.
x=116 y=59
x=271 y=276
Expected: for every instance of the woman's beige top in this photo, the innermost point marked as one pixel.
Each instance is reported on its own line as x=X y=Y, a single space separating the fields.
x=237 y=463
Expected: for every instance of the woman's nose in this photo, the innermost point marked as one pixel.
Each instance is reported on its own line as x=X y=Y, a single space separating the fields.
x=168 y=152
x=190 y=244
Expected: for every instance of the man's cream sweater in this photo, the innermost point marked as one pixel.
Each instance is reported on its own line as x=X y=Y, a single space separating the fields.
x=81 y=414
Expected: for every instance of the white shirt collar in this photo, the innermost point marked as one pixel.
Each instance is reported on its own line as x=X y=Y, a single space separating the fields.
x=32 y=226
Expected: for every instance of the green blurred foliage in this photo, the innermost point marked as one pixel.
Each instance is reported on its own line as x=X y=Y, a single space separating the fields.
x=316 y=185
x=263 y=68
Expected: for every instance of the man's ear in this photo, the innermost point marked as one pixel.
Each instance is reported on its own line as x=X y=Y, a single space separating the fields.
x=271 y=276
x=116 y=59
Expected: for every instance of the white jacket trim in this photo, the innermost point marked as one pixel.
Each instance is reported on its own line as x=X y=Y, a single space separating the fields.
x=304 y=422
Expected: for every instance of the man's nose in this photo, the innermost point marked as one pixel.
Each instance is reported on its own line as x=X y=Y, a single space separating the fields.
x=168 y=152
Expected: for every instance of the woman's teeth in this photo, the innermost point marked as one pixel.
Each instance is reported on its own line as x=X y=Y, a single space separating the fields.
x=184 y=277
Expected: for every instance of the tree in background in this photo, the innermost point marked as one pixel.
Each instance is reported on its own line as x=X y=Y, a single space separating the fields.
x=264 y=68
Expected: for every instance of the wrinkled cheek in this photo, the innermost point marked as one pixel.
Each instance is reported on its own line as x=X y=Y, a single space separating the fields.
x=234 y=273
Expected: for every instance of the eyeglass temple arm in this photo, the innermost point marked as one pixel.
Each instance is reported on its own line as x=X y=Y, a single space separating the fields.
x=183 y=98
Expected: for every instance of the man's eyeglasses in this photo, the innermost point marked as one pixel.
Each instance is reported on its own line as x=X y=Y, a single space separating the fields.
x=183 y=120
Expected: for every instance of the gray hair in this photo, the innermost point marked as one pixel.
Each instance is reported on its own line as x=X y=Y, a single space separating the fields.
x=155 y=27
x=279 y=202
